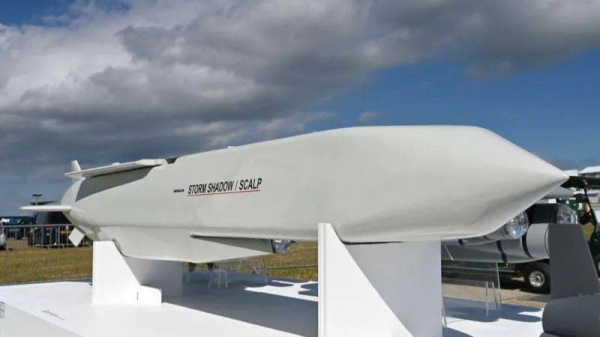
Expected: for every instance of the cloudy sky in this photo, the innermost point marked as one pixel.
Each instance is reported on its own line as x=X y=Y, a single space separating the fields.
x=108 y=81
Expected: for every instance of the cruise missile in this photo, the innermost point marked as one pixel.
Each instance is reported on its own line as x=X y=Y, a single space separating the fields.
x=373 y=184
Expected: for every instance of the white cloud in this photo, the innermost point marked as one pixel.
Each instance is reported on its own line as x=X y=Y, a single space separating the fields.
x=368 y=116
x=151 y=78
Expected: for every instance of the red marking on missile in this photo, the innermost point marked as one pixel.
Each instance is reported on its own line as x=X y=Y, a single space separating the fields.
x=209 y=194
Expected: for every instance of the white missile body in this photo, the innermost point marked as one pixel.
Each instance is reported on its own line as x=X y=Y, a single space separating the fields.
x=373 y=184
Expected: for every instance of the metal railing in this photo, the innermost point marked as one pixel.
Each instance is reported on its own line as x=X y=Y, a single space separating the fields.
x=35 y=253
x=41 y=253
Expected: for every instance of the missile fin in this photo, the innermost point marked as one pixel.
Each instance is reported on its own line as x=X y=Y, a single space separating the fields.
x=76 y=236
x=46 y=208
x=75 y=166
x=115 y=168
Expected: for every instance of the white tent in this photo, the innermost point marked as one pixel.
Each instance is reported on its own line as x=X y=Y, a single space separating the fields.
x=571 y=173
x=590 y=170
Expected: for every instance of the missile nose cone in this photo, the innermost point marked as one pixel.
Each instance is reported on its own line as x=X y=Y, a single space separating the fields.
x=454 y=182
x=506 y=180
x=521 y=170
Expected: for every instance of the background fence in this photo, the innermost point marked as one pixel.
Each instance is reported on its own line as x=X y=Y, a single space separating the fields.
x=37 y=253
x=34 y=253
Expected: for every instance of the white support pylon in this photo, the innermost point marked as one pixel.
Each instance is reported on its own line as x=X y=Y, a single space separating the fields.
x=119 y=280
x=348 y=303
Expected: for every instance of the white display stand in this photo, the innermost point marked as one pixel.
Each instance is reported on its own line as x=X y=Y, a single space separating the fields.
x=389 y=289
x=364 y=290
x=122 y=280
x=284 y=308
x=390 y=275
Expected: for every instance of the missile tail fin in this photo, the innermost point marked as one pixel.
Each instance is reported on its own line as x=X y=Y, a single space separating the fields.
x=77 y=173
x=75 y=166
x=46 y=208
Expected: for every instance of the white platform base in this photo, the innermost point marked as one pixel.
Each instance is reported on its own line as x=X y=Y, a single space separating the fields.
x=123 y=280
x=364 y=290
x=400 y=285
x=245 y=309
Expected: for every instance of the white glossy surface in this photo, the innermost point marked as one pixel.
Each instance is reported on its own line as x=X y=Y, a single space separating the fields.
x=242 y=310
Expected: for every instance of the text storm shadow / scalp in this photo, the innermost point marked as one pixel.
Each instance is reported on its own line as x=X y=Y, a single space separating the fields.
x=228 y=186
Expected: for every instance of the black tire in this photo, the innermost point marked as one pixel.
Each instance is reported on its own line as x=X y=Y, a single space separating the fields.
x=537 y=277
x=597 y=263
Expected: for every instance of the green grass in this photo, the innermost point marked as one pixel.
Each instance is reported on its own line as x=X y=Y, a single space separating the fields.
x=21 y=263
x=301 y=254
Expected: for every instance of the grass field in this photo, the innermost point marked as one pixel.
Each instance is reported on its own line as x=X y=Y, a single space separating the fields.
x=21 y=263
x=301 y=254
